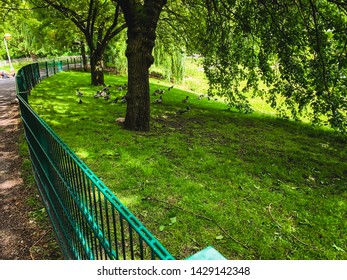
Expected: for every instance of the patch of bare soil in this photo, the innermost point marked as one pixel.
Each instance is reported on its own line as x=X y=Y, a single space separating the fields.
x=21 y=236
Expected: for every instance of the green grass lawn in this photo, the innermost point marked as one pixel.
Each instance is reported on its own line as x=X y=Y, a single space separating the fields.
x=252 y=186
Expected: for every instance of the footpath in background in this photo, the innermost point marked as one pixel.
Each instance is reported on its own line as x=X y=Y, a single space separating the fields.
x=20 y=236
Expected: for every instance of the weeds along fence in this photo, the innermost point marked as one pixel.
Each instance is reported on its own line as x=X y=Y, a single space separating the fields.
x=89 y=221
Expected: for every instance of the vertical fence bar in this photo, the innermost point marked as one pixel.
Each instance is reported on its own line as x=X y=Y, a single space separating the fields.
x=46 y=64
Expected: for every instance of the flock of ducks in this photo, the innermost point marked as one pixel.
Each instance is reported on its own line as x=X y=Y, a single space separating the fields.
x=105 y=94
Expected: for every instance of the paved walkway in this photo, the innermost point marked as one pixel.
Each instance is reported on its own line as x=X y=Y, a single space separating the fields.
x=21 y=237
x=13 y=212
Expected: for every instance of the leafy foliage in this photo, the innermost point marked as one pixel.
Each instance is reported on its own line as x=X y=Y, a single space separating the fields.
x=39 y=31
x=291 y=53
x=297 y=49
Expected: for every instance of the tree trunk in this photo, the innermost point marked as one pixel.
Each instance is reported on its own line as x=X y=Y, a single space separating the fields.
x=138 y=99
x=141 y=18
x=96 y=69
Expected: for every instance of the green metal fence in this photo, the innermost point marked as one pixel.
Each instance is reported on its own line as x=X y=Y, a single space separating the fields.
x=30 y=75
x=89 y=221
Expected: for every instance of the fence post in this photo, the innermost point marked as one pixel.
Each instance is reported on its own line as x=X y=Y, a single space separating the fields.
x=20 y=86
x=54 y=67
x=74 y=61
x=68 y=65
x=60 y=66
x=46 y=64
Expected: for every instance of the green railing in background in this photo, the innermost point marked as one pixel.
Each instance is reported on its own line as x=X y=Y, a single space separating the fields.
x=89 y=221
x=28 y=76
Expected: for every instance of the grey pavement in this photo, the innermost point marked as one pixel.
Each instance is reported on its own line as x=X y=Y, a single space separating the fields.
x=7 y=90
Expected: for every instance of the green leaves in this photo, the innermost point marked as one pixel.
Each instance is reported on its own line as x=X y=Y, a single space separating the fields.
x=173 y=220
x=297 y=51
x=219 y=237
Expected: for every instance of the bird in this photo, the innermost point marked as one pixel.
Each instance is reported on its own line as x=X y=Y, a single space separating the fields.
x=97 y=95
x=106 y=88
x=107 y=97
x=80 y=101
x=170 y=88
x=122 y=87
x=79 y=93
x=115 y=100
x=103 y=93
x=158 y=91
x=179 y=111
x=185 y=100
x=124 y=99
x=159 y=100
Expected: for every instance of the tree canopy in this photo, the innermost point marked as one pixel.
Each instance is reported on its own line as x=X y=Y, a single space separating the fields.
x=98 y=21
x=297 y=49
x=292 y=53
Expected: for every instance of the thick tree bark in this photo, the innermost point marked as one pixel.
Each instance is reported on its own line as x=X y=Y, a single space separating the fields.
x=96 y=69
x=139 y=60
x=142 y=21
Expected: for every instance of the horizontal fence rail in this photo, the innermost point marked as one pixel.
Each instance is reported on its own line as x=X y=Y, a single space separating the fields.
x=89 y=221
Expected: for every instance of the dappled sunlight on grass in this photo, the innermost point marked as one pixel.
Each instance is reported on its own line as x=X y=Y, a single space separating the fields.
x=253 y=186
x=82 y=153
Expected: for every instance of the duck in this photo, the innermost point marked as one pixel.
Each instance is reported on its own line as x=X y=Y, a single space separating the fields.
x=158 y=91
x=115 y=100
x=106 y=88
x=79 y=93
x=97 y=95
x=107 y=97
x=122 y=87
x=159 y=100
x=185 y=100
x=103 y=93
x=124 y=99
x=180 y=111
